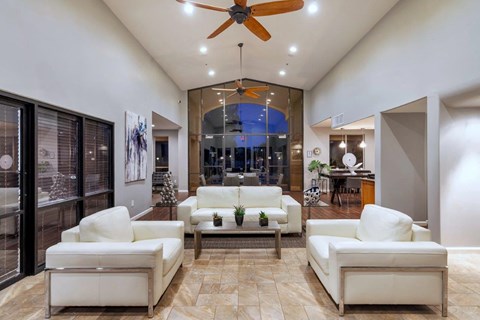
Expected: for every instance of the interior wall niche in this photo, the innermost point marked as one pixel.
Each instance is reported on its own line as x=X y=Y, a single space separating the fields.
x=403 y=163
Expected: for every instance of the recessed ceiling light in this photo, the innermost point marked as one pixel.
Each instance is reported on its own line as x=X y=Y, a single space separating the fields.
x=269 y=100
x=219 y=93
x=211 y=73
x=272 y=93
x=292 y=49
x=203 y=50
x=221 y=100
x=282 y=73
x=188 y=8
x=153 y=125
x=313 y=7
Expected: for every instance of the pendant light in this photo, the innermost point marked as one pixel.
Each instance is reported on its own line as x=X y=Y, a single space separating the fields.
x=362 y=144
x=342 y=144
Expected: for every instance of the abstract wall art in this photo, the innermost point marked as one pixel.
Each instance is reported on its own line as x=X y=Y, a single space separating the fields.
x=135 y=147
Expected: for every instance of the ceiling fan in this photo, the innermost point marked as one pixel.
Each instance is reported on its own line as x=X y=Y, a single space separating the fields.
x=241 y=90
x=241 y=13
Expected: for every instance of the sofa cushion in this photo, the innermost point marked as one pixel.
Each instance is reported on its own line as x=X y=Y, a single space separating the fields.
x=274 y=214
x=261 y=197
x=319 y=247
x=172 y=249
x=110 y=225
x=205 y=214
x=382 y=224
x=217 y=197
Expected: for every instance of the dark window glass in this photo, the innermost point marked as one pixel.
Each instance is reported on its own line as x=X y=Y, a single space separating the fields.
x=57 y=156
x=51 y=221
x=161 y=155
x=97 y=159
x=96 y=203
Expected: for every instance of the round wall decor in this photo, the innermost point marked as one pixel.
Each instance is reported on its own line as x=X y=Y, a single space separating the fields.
x=6 y=162
x=316 y=151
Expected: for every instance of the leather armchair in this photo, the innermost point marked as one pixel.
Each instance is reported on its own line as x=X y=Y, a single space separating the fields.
x=109 y=260
x=382 y=258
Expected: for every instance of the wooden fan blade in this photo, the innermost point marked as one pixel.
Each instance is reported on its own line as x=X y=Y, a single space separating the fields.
x=220 y=29
x=251 y=94
x=241 y=3
x=257 y=29
x=239 y=84
x=262 y=88
x=204 y=6
x=276 y=7
x=223 y=89
x=230 y=95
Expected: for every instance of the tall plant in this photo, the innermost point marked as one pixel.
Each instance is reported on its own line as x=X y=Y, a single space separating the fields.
x=319 y=166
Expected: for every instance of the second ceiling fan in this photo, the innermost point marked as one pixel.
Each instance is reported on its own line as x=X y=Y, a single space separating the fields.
x=243 y=14
x=241 y=90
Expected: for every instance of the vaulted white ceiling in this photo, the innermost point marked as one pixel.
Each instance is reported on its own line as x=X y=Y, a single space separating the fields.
x=173 y=38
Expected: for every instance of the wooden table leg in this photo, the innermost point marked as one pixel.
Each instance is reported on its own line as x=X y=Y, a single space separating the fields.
x=278 y=245
x=197 y=243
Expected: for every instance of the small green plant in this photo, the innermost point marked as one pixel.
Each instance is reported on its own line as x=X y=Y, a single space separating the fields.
x=239 y=210
x=319 y=166
x=262 y=215
x=263 y=219
x=217 y=219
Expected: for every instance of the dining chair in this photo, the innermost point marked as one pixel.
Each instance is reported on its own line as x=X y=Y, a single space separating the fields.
x=251 y=181
x=231 y=181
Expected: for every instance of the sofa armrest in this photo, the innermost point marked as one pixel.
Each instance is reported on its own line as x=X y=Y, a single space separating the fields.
x=185 y=210
x=105 y=255
x=387 y=254
x=420 y=233
x=71 y=235
x=332 y=227
x=294 y=213
x=144 y=230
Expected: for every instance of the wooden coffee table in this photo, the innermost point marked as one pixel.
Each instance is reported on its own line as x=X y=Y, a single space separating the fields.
x=227 y=227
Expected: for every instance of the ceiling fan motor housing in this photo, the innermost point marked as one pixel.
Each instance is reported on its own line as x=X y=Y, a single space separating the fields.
x=239 y=14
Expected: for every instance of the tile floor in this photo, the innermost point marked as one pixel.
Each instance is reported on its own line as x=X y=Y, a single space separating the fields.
x=252 y=284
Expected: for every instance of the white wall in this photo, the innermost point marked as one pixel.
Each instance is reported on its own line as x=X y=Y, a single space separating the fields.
x=403 y=163
x=77 y=55
x=418 y=48
x=460 y=176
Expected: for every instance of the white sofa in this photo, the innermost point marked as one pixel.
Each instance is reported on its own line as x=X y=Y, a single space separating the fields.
x=281 y=208
x=103 y=246
x=382 y=258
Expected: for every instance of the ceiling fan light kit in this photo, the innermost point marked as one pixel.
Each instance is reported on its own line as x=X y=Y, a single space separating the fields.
x=243 y=14
x=250 y=92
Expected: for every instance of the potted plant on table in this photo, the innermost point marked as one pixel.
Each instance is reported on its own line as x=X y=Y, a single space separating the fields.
x=263 y=219
x=217 y=219
x=239 y=213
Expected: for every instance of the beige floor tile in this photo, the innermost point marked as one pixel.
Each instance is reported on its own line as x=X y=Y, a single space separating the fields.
x=269 y=299
x=217 y=299
x=192 y=313
x=464 y=299
x=265 y=288
x=294 y=313
x=248 y=294
x=226 y=313
x=271 y=312
x=248 y=313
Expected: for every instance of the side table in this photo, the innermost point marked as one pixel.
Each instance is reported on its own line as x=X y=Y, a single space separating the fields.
x=166 y=205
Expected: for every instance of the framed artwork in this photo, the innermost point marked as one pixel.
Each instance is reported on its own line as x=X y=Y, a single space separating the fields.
x=135 y=147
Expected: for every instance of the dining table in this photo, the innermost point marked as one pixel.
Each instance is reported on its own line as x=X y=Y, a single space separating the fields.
x=339 y=177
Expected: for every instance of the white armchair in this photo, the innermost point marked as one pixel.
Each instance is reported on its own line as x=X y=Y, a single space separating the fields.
x=109 y=260
x=380 y=259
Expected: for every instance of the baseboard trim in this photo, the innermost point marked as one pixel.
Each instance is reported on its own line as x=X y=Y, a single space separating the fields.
x=464 y=250
x=141 y=214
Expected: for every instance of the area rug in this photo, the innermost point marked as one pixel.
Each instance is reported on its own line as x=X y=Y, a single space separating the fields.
x=241 y=241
